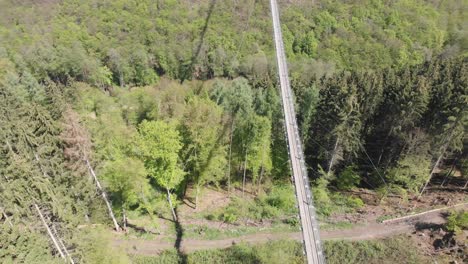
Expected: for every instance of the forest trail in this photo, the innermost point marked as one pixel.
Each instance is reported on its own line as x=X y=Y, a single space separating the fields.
x=362 y=232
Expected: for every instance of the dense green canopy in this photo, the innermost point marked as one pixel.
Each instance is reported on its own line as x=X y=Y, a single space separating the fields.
x=157 y=97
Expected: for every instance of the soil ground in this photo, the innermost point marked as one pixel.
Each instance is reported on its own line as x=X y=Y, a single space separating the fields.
x=413 y=226
x=425 y=230
x=394 y=206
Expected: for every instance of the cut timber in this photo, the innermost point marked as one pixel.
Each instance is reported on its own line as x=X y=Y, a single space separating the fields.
x=443 y=149
x=104 y=196
x=54 y=240
x=332 y=160
x=40 y=166
x=230 y=155
x=7 y=219
x=423 y=213
x=169 y=199
x=63 y=246
x=245 y=170
x=436 y=165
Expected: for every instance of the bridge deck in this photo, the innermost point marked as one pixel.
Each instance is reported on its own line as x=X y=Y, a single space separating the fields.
x=311 y=237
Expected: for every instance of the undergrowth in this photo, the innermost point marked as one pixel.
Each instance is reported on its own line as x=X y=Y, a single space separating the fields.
x=387 y=251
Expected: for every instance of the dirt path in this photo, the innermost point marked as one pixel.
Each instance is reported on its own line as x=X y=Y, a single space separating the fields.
x=365 y=232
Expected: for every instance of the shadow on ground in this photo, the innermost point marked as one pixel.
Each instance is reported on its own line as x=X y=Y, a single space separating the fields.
x=178 y=243
x=187 y=69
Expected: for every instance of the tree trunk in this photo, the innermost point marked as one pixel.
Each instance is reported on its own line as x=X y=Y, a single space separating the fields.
x=198 y=188
x=124 y=216
x=40 y=166
x=54 y=240
x=443 y=149
x=121 y=80
x=7 y=219
x=196 y=195
x=262 y=170
x=448 y=173
x=174 y=216
x=147 y=207
x=230 y=155
x=197 y=184
x=432 y=173
x=104 y=196
x=63 y=246
x=245 y=171
x=185 y=188
x=383 y=147
x=332 y=160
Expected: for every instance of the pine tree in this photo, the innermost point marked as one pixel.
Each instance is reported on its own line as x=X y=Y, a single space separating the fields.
x=448 y=123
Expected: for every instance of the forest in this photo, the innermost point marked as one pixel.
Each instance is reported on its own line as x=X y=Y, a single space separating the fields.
x=113 y=111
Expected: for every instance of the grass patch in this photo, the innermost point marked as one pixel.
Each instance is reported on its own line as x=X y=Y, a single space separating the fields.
x=205 y=232
x=337 y=226
x=336 y=202
x=457 y=221
x=277 y=252
x=382 y=218
x=388 y=251
x=278 y=203
x=404 y=213
x=166 y=257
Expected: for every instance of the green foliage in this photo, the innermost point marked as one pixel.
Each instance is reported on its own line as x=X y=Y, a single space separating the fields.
x=165 y=257
x=279 y=202
x=96 y=248
x=259 y=152
x=126 y=180
x=390 y=114
x=38 y=170
x=281 y=198
x=464 y=167
x=390 y=125
x=355 y=202
x=214 y=233
x=24 y=247
x=158 y=145
x=384 y=191
x=328 y=202
x=104 y=119
x=307 y=101
x=411 y=172
x=457 y=221
x=229 y=218
x=139 y=104
x=321 y=193
x=348 y=178
x=391 y=250
x=137 y=42
x=235 y=97
x=204 y=153
x=276 y=252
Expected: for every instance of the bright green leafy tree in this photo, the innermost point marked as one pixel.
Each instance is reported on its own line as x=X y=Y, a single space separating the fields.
x=159 y=144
